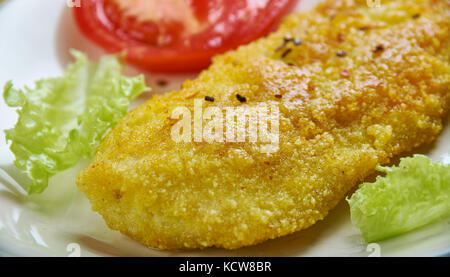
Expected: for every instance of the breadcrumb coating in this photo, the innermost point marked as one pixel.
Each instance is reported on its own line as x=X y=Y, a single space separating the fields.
x=362 y=85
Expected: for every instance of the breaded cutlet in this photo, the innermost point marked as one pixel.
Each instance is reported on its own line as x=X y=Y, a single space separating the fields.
x=358 y=86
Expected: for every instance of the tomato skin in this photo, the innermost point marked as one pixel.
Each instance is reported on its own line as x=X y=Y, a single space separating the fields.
x=192 y=53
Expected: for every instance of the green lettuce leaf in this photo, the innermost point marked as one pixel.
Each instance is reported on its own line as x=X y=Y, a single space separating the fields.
x=62 y=120
x=415 y=193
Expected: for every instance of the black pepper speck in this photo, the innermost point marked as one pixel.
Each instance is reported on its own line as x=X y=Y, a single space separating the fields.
x=341 y=53
x=241 y=98
x=209 y=98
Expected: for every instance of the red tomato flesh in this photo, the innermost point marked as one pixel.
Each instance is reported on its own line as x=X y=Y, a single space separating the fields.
x=177 y=35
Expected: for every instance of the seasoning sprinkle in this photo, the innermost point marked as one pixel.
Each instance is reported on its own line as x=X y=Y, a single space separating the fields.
x=344 y=73
x=379 y=48
x=161 y=83
x=241 y=98
x=340 y=37
x=297 y=41
x=209 y=98
x=286 y=52
x=281 y=46
x=291 y=64
x=286 y=40
x=415 y=16
x=279 y=96
x=341 y=53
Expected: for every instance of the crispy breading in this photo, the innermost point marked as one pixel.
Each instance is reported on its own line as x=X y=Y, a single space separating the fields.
x=341 y=115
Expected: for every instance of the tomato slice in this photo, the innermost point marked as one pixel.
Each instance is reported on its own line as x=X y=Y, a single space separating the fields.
x=177 y=35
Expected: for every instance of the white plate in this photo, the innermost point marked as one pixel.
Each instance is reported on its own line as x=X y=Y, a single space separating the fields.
x=35 y=38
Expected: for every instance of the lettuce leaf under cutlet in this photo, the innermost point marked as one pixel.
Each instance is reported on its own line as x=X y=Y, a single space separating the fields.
x=415 y=193
x=63 y=119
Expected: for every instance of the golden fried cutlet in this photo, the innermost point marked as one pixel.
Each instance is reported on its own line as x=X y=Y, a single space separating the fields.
x=362 y=85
